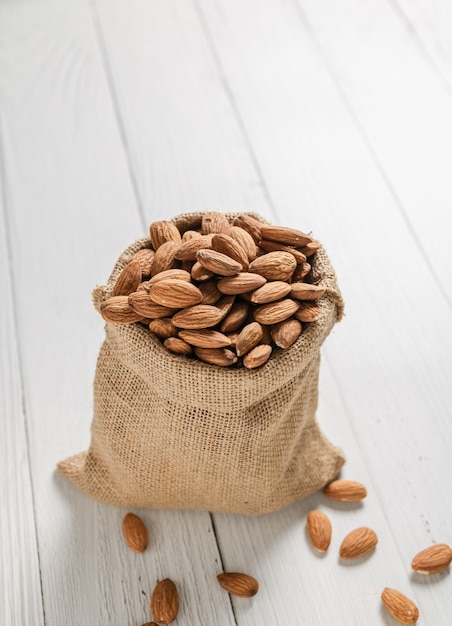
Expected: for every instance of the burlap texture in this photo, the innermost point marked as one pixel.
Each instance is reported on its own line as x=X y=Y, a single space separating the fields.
x=173 y=432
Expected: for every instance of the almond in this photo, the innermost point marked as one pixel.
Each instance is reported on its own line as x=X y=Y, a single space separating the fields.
x=128 y=280
x=163 y=327
x=273 y=246
x=357 y=543
x=135 y=532
x=227 y=245
x=274 y=290
x=214 y=222
x=310 y=248
x=164 y=258
x=150 y=624
x=191 y=234
x=175 y=293
x=399 y=606
x=236 y=317
x=274 y=265
x=286 y=235
x=216 y=356
x=301 y=272
x=345 y=490
x=241 y=283
x=189 y=248
x=433 y=559
x=165 y=601
x=238 y=584
x=178 y=346
x=257 y=356
x=285 y=333
x=141 y=302
x=319 y=530
x=209 y=291
x=249 y=337
x=275 y=312
x=245 y=240
x=145 y=258
x=200 y=273
x=218 y=262
x=161 y=232
x=117 y=310
x=306 y=291
x=176 y=274
x=205 y=338
x=225 y=304
x=198 y=316
x=250 y=225
x=309 y=312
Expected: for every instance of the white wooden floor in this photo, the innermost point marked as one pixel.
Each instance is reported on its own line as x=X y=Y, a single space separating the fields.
x=333 y=116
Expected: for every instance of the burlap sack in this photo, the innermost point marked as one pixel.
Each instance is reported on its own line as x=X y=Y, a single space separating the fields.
x=173 y=432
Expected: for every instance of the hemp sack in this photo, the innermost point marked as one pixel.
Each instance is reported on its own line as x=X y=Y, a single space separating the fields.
x=172 y=432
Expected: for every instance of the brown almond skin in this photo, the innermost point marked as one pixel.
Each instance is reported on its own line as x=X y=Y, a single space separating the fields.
x=175 y=293
x=165 y=601
x=164 y=258
x=176 y=274
x=135 y=533
x=399 y=606
x=225 y=244
x=236 y=317
x=310 y=248
x=209 y=291
x=214 y=222
x=275 y=312
x=145 y=258
x=141 y=302
x=163 y=327
x=216 y=356
x=301 y=272
x=319 y=530
x=273 y=246
x=306 y=291
x=200 y=273
x=285 y=235
x=245 y=240
x=241 y=283
x=249 y=337
x=188 y=249
x=274 y=265
x=218 y=262
x=271 y=291
x=163 y=231
x=128 y=280
x=357 y=543
x=257 y=356
x=178 y=346
x=285 y=333
x=205 y=338
x=117 y=310
x=433 y=559
x=308 y=312
x=250 y=225
x=198 y=316
x=345 y=490
x=238 y=584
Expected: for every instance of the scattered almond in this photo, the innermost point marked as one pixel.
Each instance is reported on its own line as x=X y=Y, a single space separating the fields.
x=165 y=601
x=345 y=490
x=399 y=606
x=433 y=559
x=239 y=584
x=357 y=543
x=135 y=532
x=319 y=530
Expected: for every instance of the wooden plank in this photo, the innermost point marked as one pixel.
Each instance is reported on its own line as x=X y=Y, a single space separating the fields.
x=187 y=146
x=402 y=107
x=431 y=24
x=390 y=357
x=20 y=595
x=72 y=210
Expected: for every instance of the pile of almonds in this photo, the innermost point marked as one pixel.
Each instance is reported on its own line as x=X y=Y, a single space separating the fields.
x=164 y=605
x=227 y=294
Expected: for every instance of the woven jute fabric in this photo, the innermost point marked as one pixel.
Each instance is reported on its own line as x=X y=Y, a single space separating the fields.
x=173 y=432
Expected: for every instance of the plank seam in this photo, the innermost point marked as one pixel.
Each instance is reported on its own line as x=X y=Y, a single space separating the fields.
x=216 y=535
x=368 y=143
x=17 y=344
x=102 y=47
x=234 y=107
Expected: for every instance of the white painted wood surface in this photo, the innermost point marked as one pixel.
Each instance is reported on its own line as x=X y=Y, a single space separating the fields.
x=333 y=117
